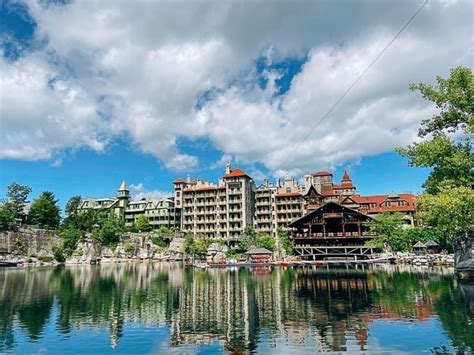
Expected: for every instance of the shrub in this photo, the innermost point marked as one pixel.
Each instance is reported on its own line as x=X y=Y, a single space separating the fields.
x=128 y=247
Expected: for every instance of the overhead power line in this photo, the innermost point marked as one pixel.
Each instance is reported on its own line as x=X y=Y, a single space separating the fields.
x=356 y=81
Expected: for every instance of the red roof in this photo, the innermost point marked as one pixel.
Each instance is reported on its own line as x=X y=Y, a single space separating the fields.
x=327 y=190
x=288 y=194
x=179 y=181
x=346 y=177
x=378 y=200
x=322 y=173
x=236 y=173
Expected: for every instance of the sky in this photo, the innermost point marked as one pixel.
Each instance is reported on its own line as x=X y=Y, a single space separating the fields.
x=96 y=92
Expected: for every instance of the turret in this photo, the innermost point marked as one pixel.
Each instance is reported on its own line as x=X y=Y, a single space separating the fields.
x=123 y=194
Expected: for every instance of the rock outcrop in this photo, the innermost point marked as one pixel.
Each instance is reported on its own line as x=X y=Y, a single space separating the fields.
x=464 y=257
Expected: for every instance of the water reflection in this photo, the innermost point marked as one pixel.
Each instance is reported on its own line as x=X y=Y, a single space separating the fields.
x=235 y=310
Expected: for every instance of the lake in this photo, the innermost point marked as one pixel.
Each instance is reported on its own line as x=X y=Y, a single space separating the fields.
x=165 y=308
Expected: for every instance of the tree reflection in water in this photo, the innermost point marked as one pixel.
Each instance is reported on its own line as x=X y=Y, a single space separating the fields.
x=236 y=310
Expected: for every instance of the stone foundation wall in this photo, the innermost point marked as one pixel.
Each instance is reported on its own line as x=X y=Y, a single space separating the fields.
x=28 y=241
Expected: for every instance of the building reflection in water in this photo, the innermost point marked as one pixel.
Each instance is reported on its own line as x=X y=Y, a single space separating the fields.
x=328 y=309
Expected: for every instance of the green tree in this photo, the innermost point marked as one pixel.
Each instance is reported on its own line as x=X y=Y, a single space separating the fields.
x=266 y=241
x=451 y=159
x=69 y=238
x=189 y=244
x=389 y=230
x=284 y=241
x=107 y=234
x=450 y=211
x=447 y=202
x=7 y=216
x=17 y=197
x=45 y=211
x=248 y=239
x=200 y=245
x=142 y=223
x=72 y=212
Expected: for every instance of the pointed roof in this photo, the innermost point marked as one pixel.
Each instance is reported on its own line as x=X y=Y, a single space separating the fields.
x=419 y=245
x=123 y=186
x=346 y=177
x=311 y=188
x=431 y=243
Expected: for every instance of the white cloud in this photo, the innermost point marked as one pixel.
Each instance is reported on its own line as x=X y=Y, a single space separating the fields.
x=139 y=192
x=138 y=69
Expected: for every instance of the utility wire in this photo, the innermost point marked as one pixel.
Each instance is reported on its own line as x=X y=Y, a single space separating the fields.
x=410 y=20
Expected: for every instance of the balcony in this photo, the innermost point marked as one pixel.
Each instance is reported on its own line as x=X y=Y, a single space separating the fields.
x=334 y=235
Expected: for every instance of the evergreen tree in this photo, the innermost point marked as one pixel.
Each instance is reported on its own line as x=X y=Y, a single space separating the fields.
x=17 y=197
x=44 y=211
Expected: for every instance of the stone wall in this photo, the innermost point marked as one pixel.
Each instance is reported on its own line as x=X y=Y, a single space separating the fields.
x=27 y=241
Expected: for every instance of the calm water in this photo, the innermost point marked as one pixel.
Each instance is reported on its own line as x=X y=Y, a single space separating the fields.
x=164 y=308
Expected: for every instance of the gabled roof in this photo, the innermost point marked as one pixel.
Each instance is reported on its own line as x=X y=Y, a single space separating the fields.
x=236 y=173
x=324 y=207
x=378 y=200
x=345 y=198
x=419 y=245
x=431 y=243
x=312 y=189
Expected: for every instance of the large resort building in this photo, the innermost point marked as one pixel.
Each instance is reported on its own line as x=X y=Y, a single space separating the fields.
x=160 y=212
x=216 y=211
x=324 y=218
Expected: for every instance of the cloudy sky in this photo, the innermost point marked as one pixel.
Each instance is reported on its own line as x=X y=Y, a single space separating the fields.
x=93 y=92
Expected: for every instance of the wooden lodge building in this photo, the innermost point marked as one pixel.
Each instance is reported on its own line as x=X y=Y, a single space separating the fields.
x=332 y=231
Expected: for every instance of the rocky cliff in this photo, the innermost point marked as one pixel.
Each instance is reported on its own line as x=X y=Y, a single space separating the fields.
x=35 y=246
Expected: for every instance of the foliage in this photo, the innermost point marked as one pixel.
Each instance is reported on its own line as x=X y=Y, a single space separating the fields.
x=45 y=211
x=285 y=244
x=248 y=239
x=266 y=241
x=72 y=206
x=451 y=160
x=7 y=216
x=393 y=236
x=128 y=247
x=196 y=246
x=201 y=243
x=108 y=230
x=389 y=230
x=158 y=240
x=450 y=211
x=189 y=244
x=17 y=197
x=69 y=238
x=142 y=224
x=58 y=253
x=454 y=97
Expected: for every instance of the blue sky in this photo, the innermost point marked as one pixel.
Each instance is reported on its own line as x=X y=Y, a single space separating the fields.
x=154 y=91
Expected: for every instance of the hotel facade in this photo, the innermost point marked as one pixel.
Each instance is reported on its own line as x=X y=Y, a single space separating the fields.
x=226 y=208
x=160 y=212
